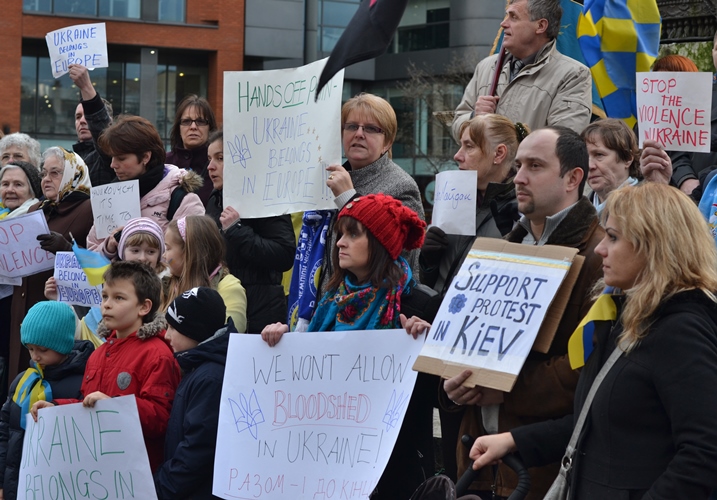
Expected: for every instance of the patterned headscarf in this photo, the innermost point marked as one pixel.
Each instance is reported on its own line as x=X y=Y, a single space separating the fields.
x=75 y=178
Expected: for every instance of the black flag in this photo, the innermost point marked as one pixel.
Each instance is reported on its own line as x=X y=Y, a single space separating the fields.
x=366 y=36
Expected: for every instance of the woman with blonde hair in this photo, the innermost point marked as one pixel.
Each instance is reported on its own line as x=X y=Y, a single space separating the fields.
x=648 y=428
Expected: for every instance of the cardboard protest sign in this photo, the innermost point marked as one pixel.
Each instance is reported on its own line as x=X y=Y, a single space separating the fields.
x=454 y=202
x=500 y=301
x=113 y=205
x=674 y=109
x=77 y=452
x=72 y=285
x=318 y=414
x=84 y=44
x=278 y=141
x=20 y=252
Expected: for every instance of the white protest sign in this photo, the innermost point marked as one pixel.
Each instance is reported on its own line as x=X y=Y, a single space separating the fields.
x=4 y=280
x=72 y=285
x=674 y=109
x=20 y=252
x=454 y=202
x=278 y=141
x=113 y=205
x=492 y=313
x=84 y=44
x=319 y=411
x=78 y=452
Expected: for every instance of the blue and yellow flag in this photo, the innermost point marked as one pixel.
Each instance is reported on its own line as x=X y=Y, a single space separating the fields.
x=31 y=388
x=619 y=38
x=580 y=345
x=92 y=263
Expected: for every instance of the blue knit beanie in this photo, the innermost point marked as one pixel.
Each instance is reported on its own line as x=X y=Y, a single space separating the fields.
x=49 y=324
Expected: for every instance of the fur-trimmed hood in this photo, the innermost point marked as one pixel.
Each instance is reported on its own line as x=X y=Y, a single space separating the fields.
x=191 y=181
x=146 y=331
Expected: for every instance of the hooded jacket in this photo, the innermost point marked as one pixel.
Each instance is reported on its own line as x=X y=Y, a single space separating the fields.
x=194 y=160
x=258 y=252
x=155 y=203
x=554 y=90
x=192 y=430
x=141 y=364
x=65 y=380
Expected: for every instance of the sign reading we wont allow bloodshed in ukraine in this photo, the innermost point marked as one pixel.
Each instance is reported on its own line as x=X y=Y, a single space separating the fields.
x=278 y=140
x=315 y=416
x=505 y=300
x=674 y=109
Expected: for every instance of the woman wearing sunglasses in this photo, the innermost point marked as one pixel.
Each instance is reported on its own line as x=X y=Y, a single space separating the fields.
x=193 y=123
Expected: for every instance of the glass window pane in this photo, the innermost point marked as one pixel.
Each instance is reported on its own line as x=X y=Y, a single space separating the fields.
x=131 y=89
x=338 y=13
x=85 y=7
x=171 y=10
x=329 y=37
x=28 y=94
x=120 y=8
x=37 y=5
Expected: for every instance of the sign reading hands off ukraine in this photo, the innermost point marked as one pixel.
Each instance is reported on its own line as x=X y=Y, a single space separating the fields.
x=278 y=140
x=315 y=416
x=77 y=452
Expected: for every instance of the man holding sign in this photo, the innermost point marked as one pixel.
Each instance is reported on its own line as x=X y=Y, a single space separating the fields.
x=553 y=165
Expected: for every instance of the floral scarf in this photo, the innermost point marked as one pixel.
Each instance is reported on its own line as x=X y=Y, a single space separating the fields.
x=361 y=307
x=75 y=179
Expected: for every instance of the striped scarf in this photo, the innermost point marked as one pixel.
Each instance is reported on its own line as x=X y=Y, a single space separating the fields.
x=31 y=388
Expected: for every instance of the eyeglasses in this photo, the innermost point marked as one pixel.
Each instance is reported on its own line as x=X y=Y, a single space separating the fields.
x=369 y=129
x=187 y=122
x=54 y=174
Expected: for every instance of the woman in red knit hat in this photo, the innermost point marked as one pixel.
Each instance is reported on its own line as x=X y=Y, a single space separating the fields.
x=370 y=277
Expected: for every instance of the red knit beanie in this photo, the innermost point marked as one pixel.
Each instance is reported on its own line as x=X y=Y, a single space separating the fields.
x=394 y=226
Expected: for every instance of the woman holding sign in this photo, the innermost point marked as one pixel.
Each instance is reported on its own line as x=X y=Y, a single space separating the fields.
x=165 y=191
x=67 y=209
x=649 y=431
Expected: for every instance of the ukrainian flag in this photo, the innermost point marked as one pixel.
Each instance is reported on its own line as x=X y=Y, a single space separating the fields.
x=580 y=345
x=92 y=263
x=619 y=38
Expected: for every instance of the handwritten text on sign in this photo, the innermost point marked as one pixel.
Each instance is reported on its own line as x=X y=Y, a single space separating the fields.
x=319 y=412
x=454 y=202
x=78 y=452
x=20 y=252
x=674 y=108
x=84 y=44
x=113 y=205
x=493 y=310
x=278 y=141
x=72 y=285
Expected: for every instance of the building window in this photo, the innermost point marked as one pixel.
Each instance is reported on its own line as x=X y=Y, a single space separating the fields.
x=334 y=16
x=425 y=25
x=170 y=11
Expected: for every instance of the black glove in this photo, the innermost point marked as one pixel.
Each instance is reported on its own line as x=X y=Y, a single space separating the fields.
x=54 y=242
x=433 y=247
x=506 y=218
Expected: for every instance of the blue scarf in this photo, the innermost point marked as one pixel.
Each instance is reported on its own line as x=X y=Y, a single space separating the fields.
x=361 y=307
x=305 y=279
x=31 y=388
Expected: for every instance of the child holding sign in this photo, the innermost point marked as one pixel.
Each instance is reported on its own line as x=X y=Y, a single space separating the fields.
x=58 y=363
x=135 y=359
x=200 y=344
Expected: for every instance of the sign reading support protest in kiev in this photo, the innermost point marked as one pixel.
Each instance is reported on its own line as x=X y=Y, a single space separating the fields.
x=674 y=109
x=505 y=300
x=315 y=416
x=278 y=140
x=20 y=252
x=84 y=44
x=77 y=452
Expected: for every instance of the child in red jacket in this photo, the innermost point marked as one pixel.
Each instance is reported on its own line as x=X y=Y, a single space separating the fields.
x=135 y=359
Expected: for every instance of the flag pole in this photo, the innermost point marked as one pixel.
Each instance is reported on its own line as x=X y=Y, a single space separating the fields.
x=498 y=70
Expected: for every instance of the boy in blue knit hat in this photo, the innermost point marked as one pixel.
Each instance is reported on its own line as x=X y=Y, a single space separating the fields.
x=56 y=369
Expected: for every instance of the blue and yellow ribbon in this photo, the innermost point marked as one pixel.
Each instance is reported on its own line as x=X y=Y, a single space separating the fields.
x=580 y=345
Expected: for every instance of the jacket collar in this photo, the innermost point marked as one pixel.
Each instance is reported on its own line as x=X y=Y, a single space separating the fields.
x=146 y=331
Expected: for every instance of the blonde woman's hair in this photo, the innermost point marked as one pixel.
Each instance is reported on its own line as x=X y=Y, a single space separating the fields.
x=203 y=251
x=376 y=108
x=490 y=130
x=670 y=235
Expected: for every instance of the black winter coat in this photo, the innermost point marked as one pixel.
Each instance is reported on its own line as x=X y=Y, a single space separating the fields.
x=192 y=430
x=65 y=380
x=258 y=252
x=98 y=163
x=650 y=431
